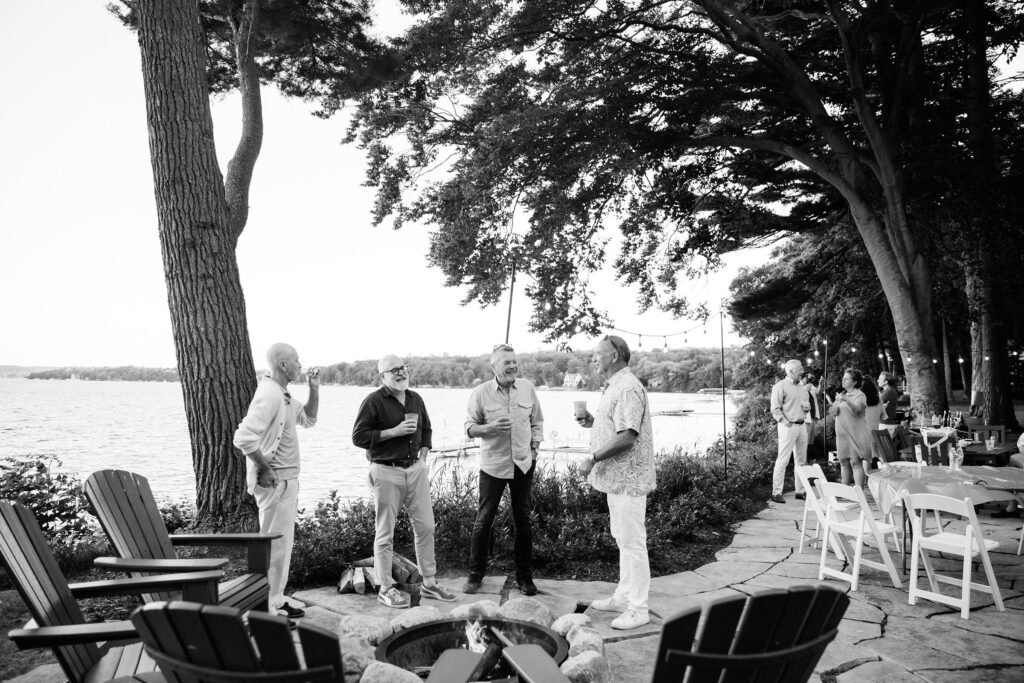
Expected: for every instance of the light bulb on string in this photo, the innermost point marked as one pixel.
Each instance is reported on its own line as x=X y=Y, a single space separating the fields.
x=752 y=354
x=934 y=361
x=810 y=360
x=986 y=357
x=881 y=355
x=639 y=342
x=547 y=305
x=853 y=349
x=816 y=352
x=665 y=339
x=960 y=360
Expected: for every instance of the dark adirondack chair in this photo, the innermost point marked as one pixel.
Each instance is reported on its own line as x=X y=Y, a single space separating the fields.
x=84 y=650
x=883 y=446
x=776 y=635
x=214 y=644
x=128 y=513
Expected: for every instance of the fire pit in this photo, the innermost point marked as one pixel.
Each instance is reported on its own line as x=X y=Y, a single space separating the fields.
x=418 y=647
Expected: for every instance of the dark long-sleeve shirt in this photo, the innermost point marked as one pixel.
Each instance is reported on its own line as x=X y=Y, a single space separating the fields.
x=381 y=410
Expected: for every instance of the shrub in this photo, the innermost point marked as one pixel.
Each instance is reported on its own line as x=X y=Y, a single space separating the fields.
x=60 y=507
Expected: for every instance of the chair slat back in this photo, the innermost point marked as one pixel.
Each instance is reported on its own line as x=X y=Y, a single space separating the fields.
x=884 y=447
x=213 y=644
x=128 y=513
x=772 y=636
x=918 y=504
x=41 y=584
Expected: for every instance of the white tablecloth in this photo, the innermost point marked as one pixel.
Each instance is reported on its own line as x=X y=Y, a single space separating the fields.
x=982 y=484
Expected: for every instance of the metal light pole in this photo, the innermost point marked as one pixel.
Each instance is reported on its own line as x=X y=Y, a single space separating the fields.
x=725 y=435
x=511 y=287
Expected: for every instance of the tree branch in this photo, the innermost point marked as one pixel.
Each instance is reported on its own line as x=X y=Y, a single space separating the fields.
x=240 y=168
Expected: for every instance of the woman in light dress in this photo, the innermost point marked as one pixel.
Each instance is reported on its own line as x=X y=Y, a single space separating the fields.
x=853 y=442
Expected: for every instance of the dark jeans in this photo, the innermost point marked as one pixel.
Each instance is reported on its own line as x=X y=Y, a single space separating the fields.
x=491 y=489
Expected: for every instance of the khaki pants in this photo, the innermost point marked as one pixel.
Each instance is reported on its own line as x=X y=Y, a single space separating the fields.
x=393 y=487
x=792 y=442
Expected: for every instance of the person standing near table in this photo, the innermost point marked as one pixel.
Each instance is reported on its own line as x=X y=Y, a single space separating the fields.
x=790 y=404
x=270 y=443
x=817 y=408
x=393 y=426
x=889 y=398
x=853 y=442
x=505 y=415
x=621 y=465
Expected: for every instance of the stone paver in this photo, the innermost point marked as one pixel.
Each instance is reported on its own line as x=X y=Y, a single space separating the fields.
x=881 y=638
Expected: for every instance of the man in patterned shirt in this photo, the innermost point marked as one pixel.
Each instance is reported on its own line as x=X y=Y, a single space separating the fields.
x=621 y=465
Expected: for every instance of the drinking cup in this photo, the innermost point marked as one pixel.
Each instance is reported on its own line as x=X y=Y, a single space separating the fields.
x=917 y=470
x=415 y=417
x=990 y=443
x=579 y=409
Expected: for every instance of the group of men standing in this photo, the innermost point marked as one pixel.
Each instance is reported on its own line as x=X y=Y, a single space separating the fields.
x=394 y=428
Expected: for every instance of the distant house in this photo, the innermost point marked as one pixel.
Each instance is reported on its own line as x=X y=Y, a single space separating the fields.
x=573 y=380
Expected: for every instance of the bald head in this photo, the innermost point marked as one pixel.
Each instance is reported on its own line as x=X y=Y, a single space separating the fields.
x=389 y=361
x=284 y=364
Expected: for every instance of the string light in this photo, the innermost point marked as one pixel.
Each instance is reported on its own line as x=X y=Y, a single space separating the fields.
x=986 y=357
x=816 y=352
x=639 y=342
x=934 y=360
x=959 y=360
x=547 y=305
x=666 y=342
x=853 y=349
x=752 y=354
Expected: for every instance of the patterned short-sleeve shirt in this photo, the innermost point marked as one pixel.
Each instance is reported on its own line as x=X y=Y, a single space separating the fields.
x=623 y=405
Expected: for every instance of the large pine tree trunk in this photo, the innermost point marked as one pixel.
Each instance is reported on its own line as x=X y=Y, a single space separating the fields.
x=198 y=246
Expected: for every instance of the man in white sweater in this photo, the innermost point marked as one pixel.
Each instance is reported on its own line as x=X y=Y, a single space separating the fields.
x=268 y=439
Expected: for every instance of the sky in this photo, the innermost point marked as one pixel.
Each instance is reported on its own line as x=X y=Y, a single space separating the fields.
x=81 y=281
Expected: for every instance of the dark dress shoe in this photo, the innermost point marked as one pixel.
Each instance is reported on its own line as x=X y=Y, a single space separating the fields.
x=286 y=610
x=527 y=587
x=778 y=498
x=801 y=496
x=472 y=585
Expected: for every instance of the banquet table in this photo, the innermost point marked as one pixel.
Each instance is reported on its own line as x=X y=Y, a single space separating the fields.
x=982 y=484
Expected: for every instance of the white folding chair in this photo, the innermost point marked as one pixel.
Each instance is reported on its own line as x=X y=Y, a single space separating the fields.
x=967 y=545
x=814 y=507
x=859 y=529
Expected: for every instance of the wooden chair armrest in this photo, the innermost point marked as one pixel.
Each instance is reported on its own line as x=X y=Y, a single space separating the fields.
x=222 y=539
x=194 y=586
x=73 y=634
x=136 y=564
x=258 y=545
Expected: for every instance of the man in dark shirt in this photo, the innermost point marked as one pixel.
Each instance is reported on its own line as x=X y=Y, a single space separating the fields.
x=394 y=428
x=887 y=383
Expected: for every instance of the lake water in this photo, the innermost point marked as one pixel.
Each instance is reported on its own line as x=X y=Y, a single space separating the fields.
x=140 y=426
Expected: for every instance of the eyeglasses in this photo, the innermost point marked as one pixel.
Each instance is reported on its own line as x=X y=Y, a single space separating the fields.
x=404 y=369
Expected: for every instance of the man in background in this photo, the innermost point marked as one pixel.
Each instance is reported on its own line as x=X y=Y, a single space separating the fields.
x=268 y=439
x=889 y=396
x=393 y=426
x=506 y=416
x=790 y=404
x=621 y=465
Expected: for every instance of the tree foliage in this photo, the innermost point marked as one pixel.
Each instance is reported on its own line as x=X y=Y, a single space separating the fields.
x=696 y=128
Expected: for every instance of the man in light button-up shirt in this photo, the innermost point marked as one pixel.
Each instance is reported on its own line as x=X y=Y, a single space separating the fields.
x=505 y=415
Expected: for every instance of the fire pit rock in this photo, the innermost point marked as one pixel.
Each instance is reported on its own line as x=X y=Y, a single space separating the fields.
x=382 y=672
x=371 y=629
x=584 y=639
x=564 y=623
x=414 y=616
x=481 y=609
x=587 y=667
x=527 y=609
x=356 y=655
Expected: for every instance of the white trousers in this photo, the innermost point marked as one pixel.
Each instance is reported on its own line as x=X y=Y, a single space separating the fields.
x=792 y=441
x=278 y=508
x=627 y=515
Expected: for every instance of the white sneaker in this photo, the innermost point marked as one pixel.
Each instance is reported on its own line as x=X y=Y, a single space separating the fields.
x=392 y=597
x=631 y=618
x=437 y=592
x=608 y=605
